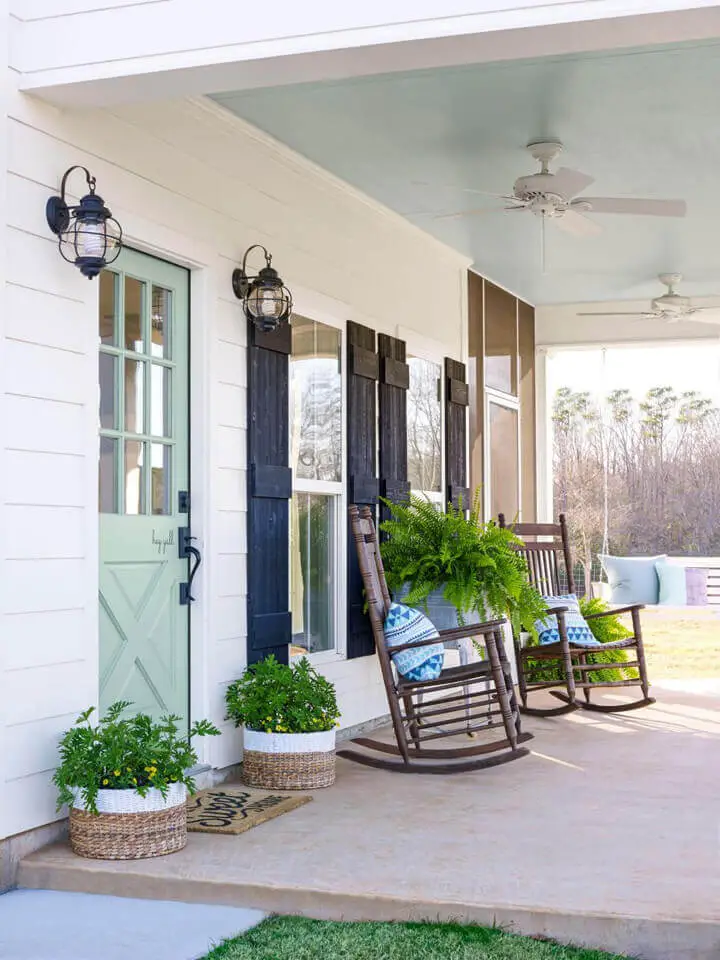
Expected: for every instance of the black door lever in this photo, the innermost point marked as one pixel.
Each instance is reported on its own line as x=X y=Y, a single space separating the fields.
x=186 y=551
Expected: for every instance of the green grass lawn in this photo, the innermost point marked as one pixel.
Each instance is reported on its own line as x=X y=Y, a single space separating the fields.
x=293 y=938
x=681 y=645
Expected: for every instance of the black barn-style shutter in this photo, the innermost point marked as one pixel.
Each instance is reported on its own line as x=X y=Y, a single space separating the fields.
x=269 y=492
x=456 y=404
x=394 y=383
x=362 y=376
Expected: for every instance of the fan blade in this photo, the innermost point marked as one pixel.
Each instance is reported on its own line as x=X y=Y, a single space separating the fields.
x=638 y=314
x=466 y=213
x=647 y=208
x=693 y=318
x=576 y=224
x=570 y=182
x=454 y=186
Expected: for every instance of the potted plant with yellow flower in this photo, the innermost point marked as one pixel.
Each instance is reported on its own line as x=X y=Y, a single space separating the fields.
x=125 y=780
x=289 y=714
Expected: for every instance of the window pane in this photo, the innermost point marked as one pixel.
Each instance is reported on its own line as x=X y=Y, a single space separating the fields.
x=424 y=426
x=134 y=308
x=501 y=346
x=107 y=375
x=160 y=481
x=107 y=493
x=315 y=401
x=312 y=566
x=504 y=468
x=160 y=322
x=160 y=401
x=108 y=299
x=134 y=396
x=134 y=473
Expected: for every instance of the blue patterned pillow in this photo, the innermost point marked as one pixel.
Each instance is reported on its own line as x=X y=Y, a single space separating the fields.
x=578 y=630
x=406 y=625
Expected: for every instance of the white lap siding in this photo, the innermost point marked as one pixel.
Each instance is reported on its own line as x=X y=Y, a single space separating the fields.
x=195 y=185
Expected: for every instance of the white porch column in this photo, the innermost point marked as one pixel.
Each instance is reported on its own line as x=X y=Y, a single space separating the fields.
x=544 y=438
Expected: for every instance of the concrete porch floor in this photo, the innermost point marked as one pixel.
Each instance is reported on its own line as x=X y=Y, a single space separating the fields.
x=607 y=835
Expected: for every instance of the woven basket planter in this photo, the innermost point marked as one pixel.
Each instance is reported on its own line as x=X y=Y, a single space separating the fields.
x=289 y=761
x=128 y=826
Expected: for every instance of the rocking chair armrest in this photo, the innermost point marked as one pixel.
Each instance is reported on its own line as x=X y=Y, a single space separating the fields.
x=555 y=610
x=471 y=630
x=396 y=648
x=614 y=611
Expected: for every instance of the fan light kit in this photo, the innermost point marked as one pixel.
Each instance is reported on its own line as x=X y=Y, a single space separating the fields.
x=671 y=307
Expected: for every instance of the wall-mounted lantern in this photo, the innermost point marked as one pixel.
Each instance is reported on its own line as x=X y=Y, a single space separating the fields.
x=266 y=299
x=88 y=235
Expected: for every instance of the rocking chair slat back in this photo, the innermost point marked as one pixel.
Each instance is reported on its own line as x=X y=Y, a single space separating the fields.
x=546 y=550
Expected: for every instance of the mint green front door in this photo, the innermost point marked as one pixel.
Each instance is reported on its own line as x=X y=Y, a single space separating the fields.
x=143 y=484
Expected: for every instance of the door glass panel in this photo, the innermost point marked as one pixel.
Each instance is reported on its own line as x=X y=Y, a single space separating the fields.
x=424 y=426
x=159 y=401
x=108 y=300
x=107 y=375
x=107 y=493
x=160 y=322
x=501 y=346
x=315 y=401
x=134 y=309
x=134 y=396
x=160 y=480
x=312 y=539
x=134 y=474
x=504 y=466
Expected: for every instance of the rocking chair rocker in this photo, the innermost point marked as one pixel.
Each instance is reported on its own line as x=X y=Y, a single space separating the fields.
x=462 y=700
x=546 y=548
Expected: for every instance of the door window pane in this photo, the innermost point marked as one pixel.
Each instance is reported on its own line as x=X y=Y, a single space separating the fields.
x=107 y=375
x=134 y=396
x=134 y=309
x=312 y=565
x=424 y=426
x=160 y=479
x=504 y=468
x=107 y=493
x=160 y=322
x=315 y=401
x=501 y=347
x=159 y=401
x=134 y=474
x=108 y=300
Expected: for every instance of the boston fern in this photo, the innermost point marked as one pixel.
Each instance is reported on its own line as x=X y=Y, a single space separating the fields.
x=475 y=564
x=274 y=697
x=125 y=753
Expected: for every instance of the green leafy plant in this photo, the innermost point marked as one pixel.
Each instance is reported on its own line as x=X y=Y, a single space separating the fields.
x=606 y=630
x=475 y=564
x=125 y=753
x=273 y=697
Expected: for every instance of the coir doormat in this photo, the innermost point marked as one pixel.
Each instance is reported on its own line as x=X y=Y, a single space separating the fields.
x=226 y=809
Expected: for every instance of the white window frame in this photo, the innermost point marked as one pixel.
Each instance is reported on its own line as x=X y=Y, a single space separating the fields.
x=337 y=489
x=423 y=348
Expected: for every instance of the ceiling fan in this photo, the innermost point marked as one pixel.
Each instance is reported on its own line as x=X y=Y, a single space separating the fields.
x=553 y=197
x=671 y=307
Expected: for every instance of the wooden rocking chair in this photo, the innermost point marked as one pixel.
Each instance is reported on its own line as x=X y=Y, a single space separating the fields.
x=461 y=700
x=546 y=548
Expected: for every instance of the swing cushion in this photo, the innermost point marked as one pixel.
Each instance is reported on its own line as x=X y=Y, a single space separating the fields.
x=632 y=579
x=407 y=625
x=578 y=631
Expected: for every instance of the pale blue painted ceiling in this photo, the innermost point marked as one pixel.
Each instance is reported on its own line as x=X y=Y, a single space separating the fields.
x=644 y=123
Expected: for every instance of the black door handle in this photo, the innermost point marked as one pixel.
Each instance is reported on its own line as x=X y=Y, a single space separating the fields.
x=186 y=551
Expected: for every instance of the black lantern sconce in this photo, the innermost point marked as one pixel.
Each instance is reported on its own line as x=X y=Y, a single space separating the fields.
x=88 y=235
x=266 y=299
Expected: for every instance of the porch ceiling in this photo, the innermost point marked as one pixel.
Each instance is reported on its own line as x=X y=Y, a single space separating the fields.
x=642 y=122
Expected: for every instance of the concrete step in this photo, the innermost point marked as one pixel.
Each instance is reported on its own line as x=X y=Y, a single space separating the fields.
x=182 y=878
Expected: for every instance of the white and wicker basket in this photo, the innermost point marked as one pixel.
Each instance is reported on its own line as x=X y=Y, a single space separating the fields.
x=289 y=761
x=128 y=826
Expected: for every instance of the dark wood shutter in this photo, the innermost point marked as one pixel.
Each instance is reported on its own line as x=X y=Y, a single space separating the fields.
x=362 y=376
x=394 y=383
x=269 y=492
x=456 y=403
